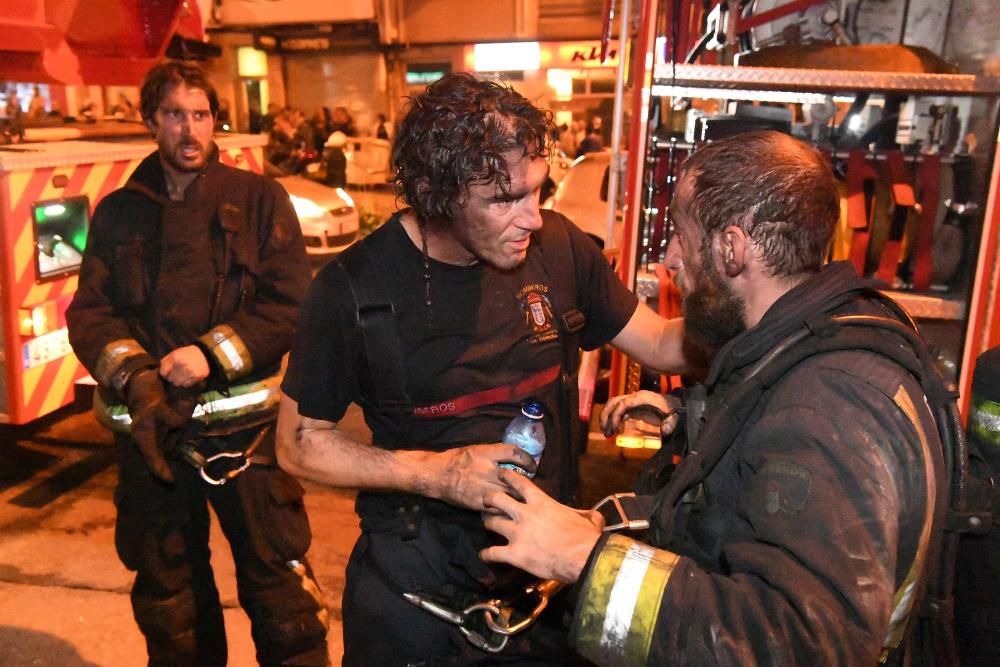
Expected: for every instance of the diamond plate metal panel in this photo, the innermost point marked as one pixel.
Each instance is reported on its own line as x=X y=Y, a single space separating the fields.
x=831 y=81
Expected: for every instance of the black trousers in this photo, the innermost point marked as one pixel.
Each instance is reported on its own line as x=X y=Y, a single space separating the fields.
x=381 y=628
x=162 y=534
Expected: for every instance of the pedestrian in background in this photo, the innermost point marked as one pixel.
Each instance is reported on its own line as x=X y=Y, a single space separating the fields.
x=36 y=108
x=343 y=122
x=321 y=124
x=567 y=139
x=382 y=128
x=267 y=121
x=594 y=140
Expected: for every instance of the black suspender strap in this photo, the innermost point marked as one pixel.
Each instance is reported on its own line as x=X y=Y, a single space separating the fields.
x=558 y=255
x=376 y=317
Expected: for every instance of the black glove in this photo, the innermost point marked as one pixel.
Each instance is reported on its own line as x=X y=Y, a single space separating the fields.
x=152 y=417
x=181 y=402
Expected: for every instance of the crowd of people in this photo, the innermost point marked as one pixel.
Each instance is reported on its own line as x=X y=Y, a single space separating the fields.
x=13 y=118
x=295 y=141
x=580 y=137
x=43 y=109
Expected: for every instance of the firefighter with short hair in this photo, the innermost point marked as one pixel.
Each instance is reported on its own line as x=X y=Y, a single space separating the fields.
x=188 y=294
x=806 y=520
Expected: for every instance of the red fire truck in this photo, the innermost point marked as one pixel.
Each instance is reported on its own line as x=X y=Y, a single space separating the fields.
x=699 y=70
x=50 y=183
x=47 y=193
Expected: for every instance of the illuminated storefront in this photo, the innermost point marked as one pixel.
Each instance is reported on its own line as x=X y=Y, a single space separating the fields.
x=570 y=78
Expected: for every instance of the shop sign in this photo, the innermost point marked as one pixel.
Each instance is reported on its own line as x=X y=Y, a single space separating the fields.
x=296 y=44
x=547 y=55
x=578 y=55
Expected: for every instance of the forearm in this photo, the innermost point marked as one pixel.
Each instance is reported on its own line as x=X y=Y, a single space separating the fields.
x=653 y=341
x=329 y=456
x=260 y=331
x=666 y=354
x=317 y=450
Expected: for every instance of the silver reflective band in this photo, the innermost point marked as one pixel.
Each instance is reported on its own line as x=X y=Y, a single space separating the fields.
x=232 y=355
x=233 y=403
x=111 y=359
x=226 y=346
x=624 y=595
x=212 y=408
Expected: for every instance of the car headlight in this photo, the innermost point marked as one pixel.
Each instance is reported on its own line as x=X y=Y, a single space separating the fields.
x=346 y=197
x=306 y=208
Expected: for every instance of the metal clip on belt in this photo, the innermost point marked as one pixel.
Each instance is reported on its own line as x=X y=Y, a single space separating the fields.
x=498 y=614
x=202 y=463
x=461 y=619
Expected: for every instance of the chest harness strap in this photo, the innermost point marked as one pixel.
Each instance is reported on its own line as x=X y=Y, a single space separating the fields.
x=377 y=320
x=376 y=317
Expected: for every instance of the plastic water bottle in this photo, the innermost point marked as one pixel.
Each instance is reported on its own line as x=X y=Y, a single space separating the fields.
x=527 y=432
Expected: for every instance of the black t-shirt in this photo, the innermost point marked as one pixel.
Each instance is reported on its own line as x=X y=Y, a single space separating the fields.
x=484 y=329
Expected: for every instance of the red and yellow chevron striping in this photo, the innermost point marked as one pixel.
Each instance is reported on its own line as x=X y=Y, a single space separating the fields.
x=39 y=370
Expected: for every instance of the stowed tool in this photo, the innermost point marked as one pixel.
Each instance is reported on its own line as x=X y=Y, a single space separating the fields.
x=488 y=625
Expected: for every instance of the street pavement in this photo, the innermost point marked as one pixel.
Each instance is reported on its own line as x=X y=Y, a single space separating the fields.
x=64 y=596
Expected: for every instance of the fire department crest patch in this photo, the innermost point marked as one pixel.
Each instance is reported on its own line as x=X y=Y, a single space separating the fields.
x=538 y=312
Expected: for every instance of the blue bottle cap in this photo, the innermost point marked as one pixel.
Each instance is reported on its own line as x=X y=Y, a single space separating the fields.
x=533 y=410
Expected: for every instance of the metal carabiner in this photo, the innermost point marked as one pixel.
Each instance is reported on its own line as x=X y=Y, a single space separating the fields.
x=543 y=589
x=227 y=475
x=489 y=610
x=497 y=613
x=460 y=618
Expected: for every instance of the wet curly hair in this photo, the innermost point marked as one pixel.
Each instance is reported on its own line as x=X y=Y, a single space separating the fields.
x=455 y=135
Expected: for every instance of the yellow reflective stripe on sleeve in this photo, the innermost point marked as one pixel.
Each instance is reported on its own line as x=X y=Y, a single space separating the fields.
x=229 y=350
x=112 y=356
x=984 y=420
x=620 y=601
x=902 y=603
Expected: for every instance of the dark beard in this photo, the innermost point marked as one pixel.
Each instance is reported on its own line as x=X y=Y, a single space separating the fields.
x=713 y=314
x=185 y=168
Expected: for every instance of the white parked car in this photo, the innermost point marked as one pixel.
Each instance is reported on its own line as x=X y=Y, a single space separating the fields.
x=582 y=196
x=328 y=216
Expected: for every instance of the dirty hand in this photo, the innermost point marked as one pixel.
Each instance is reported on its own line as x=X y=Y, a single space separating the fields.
x=185 y=367
x=151 y=417
x=464 y=475
x=544 y=537
x=649 y=406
